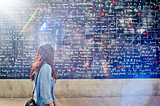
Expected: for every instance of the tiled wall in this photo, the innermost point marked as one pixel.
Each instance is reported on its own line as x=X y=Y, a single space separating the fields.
x=84 y=87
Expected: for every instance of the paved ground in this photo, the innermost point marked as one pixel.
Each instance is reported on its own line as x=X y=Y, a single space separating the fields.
x=107 y=101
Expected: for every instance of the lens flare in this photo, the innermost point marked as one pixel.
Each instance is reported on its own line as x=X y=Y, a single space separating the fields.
x=31 y=18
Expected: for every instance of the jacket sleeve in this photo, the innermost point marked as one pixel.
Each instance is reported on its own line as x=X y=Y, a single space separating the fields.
x=45 y=84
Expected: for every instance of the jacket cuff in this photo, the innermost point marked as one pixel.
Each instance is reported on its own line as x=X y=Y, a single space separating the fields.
x=48 y=101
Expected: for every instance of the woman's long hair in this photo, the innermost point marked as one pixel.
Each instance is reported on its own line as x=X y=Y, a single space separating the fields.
x=44 y=53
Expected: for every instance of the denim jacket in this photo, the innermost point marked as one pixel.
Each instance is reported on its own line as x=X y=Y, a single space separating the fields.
x=44 y=90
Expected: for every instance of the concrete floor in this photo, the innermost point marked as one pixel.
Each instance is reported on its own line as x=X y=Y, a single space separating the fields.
x=107 y=101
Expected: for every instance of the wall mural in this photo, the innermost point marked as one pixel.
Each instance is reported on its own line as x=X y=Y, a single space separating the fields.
x=92 y=39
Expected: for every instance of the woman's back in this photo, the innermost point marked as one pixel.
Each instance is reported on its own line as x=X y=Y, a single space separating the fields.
x=44 y=91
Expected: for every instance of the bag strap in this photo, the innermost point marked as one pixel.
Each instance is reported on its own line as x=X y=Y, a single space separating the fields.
x=35 y=85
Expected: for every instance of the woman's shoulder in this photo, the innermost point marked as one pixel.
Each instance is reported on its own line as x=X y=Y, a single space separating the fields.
x=46 y=66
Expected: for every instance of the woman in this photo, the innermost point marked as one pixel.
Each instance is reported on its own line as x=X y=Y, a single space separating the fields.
x=44 y=88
